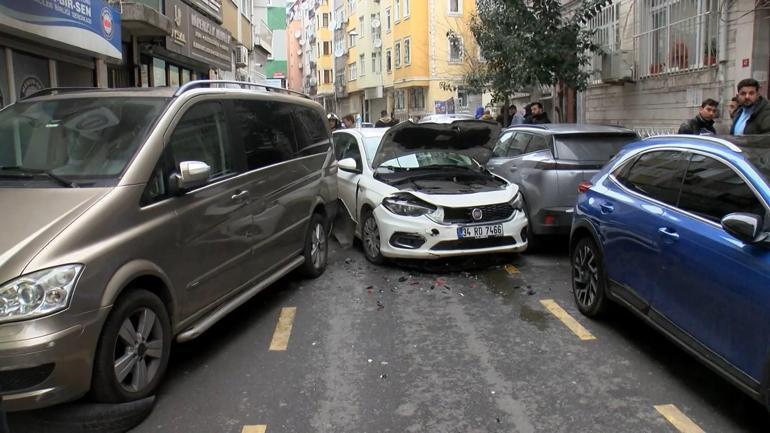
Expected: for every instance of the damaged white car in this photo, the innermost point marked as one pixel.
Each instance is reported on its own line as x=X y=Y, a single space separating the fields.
x=421 y=191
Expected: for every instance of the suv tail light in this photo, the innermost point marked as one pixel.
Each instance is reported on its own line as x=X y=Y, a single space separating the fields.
x=584 y=186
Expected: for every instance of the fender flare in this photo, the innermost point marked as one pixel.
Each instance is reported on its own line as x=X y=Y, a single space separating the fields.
x=128 y=273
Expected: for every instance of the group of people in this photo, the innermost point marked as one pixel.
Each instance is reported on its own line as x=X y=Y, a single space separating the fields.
x=533 y=115
x=349 y=121
x=749 y=111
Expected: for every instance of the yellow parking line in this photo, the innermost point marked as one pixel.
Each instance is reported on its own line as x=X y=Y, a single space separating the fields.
x=678 y=419
x=283 y=329
x=568 y=320
x=511 y=269
x=254 y=429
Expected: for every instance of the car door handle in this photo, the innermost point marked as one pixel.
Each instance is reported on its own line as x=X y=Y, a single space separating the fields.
x=240 y=195
x=607 y=208
x=669 y=233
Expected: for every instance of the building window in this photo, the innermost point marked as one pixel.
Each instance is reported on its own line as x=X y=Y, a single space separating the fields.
x=462 y=98
x=406 y=9
x=455 y=7
x=351 y=39
x=455 y=49
x=388 y=61
x=339 y=42
x=398 y=96
x=247 y=9
x=325 y=18
x=417 y=98
x=676 y=35
x=387 y=20
x=353 y=70
x=606 y=33
x=407 y=51
x=397 y=54
x=351 y=6
x=376 y=63
x=327 y=48
x=396 y=10
x=376 y=31
x=327 y=76
x=361 y=26
x=361 y=65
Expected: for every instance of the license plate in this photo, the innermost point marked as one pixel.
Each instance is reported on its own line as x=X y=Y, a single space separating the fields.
x=479 y=232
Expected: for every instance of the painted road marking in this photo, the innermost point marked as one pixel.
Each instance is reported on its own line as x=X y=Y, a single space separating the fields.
x=678 y=419
x=283 y=329
x=254 y=429
x=568 y=320
x=511 y=269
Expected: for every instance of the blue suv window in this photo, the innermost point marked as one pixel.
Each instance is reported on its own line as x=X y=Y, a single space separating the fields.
x=657 y=175
x=712 y=190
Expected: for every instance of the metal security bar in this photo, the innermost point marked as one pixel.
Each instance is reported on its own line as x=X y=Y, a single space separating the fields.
x=675 y=36
x=606 y=35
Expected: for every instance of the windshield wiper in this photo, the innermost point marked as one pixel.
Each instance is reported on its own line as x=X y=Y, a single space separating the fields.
x=34 y=171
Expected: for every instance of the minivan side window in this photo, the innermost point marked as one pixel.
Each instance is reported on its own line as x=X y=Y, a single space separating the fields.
x=657 y=175
x=312 y=131
x=201 y=135
x=267 y=131
x=519 y=143
x=536 y=144
x=712 y=190
x=501 y=147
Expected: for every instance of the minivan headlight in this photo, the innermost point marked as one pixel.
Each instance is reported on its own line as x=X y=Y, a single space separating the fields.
x=38 y=294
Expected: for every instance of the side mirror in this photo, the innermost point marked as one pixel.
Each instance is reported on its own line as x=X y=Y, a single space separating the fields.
x=747 y=227
x=191 y=174
x=349 y=165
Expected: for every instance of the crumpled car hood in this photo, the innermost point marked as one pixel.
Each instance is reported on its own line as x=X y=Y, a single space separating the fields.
x=474 y=138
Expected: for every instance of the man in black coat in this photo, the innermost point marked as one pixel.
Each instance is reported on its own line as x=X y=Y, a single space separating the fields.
x=703 y=123
x=538 y=116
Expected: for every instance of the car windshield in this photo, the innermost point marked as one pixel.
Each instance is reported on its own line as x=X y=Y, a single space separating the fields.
x=432 y=159
x=73 y=142
x=593 y=147
x=370 y=147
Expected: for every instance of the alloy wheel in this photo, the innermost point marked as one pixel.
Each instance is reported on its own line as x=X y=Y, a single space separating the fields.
x=585 y=276
x=138 y=350
x=318 y=246
x=371 y=237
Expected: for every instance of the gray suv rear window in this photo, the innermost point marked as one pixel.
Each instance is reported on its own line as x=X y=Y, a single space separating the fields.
x=590 y=147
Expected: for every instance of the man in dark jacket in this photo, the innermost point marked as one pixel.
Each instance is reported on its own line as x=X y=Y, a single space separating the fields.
x=538 y=116
x=753 y=116
x=703 y=123
x=384 y=121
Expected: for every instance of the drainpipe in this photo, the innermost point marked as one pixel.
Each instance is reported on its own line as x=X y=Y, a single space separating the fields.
x=722 y=52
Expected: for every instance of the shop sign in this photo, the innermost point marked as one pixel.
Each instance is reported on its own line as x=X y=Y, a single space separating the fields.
x=279 y=75
x=212 y=8
x=195 y=36
x=90 y=25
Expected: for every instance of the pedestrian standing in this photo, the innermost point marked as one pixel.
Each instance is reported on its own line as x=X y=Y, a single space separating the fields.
x=516 y=117
x=487 y=116
x=753 y=116
x=539 y=116
x=732 y=106
x=703 y=122
x=384 y=121
x=479 y=112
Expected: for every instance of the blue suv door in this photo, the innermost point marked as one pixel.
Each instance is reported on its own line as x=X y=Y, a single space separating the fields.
x=629 y=222
x=715 y=287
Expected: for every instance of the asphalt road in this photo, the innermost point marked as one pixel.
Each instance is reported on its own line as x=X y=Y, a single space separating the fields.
x=405 y=349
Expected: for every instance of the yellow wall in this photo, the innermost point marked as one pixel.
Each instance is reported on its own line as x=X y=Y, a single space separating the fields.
x=415 y=28
x=325 y=34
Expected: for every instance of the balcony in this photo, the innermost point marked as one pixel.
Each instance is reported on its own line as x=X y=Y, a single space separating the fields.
x=144 y=18
x=263 y=37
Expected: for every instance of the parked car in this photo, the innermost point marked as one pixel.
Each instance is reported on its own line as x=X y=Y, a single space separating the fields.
x=135 y=216
x=421 y=191
x=676 y=229
x=548 y=162
x=445 y=118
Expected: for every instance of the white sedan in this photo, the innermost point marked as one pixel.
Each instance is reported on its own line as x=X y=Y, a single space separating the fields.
x=421 y=191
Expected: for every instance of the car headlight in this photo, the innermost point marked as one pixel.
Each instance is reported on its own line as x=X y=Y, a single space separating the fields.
x=518 y=202
x=39 y=293
x=407 y=205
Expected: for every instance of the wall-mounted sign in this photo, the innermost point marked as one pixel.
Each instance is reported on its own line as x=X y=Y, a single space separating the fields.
x=212 y=8
x=439 y=107
x=745 y=63
x=195 y=36
x=89 y=25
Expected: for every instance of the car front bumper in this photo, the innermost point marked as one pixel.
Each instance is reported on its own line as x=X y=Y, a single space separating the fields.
x=49 y=360
x=427 y=239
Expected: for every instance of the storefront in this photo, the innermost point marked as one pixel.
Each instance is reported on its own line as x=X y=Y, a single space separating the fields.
x=45 y=43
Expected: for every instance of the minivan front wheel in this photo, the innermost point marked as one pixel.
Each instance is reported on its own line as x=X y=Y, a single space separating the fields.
x=316 y=249
x=588 y=281
x=133 y=350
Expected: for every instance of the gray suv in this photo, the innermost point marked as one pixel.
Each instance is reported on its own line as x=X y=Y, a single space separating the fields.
x=132 y=217
x=548 y=162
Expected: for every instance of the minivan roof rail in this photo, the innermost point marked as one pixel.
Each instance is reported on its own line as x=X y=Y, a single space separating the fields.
x=708 y=138
x=243 y=84
x=54 y=90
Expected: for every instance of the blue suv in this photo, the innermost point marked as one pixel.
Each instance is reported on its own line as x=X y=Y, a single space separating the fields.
x=677 y=229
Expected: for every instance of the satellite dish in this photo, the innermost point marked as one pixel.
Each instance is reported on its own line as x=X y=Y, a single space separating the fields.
x=339 y=52
x=313 y=82
x=297 y=34
x=302 y=41
x=299 y=52
x=375 y=23
x=377 y=43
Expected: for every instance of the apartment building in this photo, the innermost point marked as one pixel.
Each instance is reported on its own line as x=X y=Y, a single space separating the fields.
x=663 y=57
x=270 y=41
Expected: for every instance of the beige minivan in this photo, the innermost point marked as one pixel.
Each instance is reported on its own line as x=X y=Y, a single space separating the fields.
x=131 y=217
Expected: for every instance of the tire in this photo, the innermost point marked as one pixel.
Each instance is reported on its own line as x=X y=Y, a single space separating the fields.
x=316 y=250
x=534 y=242
x=370 y=238
x=82 y=417
x=143 y=354
x=589 y=281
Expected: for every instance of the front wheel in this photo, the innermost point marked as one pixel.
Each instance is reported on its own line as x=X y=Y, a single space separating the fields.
x=133 y=350
x=588 y=281
x=316 y=249
x=371 y=239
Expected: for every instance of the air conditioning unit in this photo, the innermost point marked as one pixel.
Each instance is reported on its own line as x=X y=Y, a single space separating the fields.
x=617 y=67
x=377 y=43
x=241 y=55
